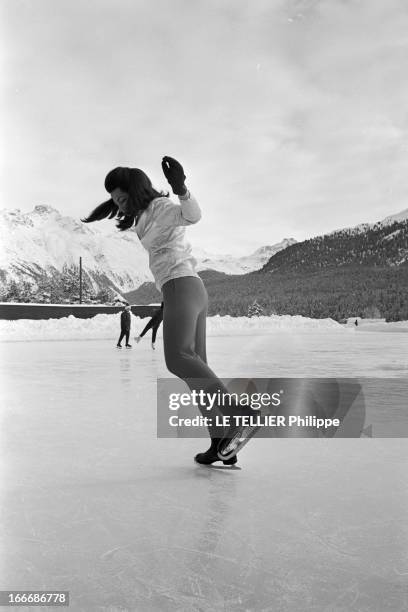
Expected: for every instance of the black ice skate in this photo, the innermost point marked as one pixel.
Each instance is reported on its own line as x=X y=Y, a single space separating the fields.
x=210 y=456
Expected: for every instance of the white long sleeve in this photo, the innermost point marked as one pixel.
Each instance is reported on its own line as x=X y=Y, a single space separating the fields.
x=161 y=229
x=190 y=208
x=169 y=214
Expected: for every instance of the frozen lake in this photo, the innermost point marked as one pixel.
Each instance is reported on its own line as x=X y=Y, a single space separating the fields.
x=95 y=504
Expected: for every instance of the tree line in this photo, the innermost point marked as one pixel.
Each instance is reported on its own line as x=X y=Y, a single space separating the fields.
x=58 y=288
x=338 y=293
x=380 y=245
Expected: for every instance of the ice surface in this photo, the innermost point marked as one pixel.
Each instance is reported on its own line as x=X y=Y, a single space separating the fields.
x=95 y=504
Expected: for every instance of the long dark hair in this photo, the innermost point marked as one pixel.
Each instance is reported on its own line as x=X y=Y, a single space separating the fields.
x=140 y=190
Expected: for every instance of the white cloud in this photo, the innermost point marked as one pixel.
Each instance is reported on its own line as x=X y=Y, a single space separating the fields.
x=289 y=116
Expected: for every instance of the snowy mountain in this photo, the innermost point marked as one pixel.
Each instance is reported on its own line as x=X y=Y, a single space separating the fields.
x=229 y=264
x=363 y=227
x=351 y=272
x=401 y=216
x=44 y=242
x=384 y=243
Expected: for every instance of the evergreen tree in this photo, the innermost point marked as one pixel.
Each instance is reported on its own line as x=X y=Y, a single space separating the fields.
x=255 y=310
x=105 y=296
x=371 y=312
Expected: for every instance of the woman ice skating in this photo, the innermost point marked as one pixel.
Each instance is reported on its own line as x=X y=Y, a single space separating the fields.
x=160 y=225
x=124 y=327
x=154 y=325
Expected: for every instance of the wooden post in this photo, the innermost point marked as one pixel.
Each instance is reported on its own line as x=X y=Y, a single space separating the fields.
x=80 y=280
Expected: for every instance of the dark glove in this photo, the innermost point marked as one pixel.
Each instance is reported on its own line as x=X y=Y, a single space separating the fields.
x=174 y=173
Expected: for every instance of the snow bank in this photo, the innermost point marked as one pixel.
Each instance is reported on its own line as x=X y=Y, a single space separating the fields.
x=105 y=326
x=376 y=325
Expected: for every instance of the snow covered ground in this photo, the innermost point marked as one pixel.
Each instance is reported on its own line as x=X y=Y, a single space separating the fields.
x=377 y=325
x=106 y=327
x=95 y=504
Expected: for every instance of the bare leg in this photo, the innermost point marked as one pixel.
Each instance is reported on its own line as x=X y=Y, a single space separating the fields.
x=184 y=326
x=201 y=336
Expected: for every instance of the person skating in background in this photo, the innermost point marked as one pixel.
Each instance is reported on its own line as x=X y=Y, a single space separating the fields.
x=124 y=327
x=154 y=325
x=160 y=225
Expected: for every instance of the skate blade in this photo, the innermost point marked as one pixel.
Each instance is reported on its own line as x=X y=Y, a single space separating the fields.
x=211 y=466
x=237 y=443
x=226 y=467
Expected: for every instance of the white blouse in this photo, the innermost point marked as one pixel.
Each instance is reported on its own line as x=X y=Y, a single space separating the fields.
x=161 y=229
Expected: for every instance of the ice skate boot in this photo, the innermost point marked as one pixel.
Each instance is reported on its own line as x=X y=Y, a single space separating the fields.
x=211 y=456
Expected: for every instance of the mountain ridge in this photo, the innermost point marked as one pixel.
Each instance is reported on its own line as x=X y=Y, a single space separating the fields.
x=352 y=272
x=43 y=244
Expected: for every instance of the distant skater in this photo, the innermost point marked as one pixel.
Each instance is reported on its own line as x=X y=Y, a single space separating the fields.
x=154 y=325
x=124 y=327
x=160 y=225
x=356 y=323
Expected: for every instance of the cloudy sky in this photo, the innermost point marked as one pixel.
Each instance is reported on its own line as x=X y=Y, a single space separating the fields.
x=289 y=116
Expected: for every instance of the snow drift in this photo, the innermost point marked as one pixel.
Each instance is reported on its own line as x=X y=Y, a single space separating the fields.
x=105 y=326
